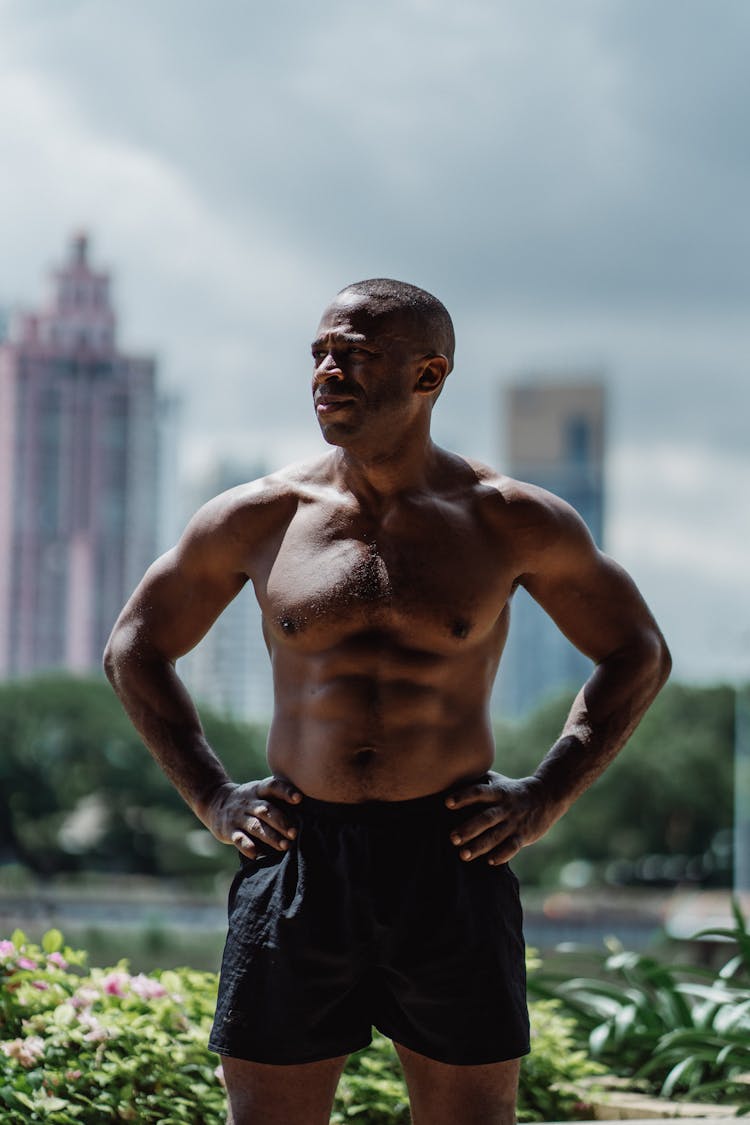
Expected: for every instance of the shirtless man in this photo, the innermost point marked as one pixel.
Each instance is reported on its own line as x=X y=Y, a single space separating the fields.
x=373 y=883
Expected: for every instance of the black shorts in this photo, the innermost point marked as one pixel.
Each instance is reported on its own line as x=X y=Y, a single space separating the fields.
x=372 y=918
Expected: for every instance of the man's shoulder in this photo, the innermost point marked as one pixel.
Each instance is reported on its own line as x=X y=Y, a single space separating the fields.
x=516 y=496
x=258 y=505
x=534 y=517
x=282 y=486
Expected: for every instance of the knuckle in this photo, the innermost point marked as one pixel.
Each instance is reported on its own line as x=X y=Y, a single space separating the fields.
x=243 y=845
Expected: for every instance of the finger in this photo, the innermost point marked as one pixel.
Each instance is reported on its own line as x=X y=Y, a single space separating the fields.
x=259 y=830
x=245 y=845
x=281 y=789
x=478 y=824
x=487 y=842
x=274 y=817
x=470 y=794
x=507 y=850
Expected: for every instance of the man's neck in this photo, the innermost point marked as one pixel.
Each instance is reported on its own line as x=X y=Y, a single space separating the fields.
x=377 y=479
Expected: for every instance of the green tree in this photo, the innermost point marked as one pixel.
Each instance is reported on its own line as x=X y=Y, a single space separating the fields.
x=669 y=792
x=79 y=790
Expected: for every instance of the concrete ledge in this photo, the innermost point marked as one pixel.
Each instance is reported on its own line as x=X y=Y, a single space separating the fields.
x=614 y=1099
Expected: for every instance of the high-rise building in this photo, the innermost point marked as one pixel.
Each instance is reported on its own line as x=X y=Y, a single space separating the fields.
x=555 y=439
x=229 y=669
x=78 y=462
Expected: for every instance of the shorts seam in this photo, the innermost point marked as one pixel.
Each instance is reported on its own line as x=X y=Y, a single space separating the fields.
x=495 y=1057
x=298 y=1060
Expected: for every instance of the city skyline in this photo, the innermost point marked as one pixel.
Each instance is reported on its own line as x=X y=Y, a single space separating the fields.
x=78 y=468
x=571 y=181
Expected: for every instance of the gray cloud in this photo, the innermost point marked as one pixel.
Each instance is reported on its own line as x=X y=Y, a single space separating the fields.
x=571 y=179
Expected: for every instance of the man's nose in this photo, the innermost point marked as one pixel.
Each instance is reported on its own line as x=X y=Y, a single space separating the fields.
x=328 y=368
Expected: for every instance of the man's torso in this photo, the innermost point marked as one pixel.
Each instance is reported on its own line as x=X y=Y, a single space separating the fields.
x=385 y=627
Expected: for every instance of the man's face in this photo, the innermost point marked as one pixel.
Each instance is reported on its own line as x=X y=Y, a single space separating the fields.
x=366 y=366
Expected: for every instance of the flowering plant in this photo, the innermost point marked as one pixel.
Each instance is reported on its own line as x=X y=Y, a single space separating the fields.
x=85 y=1046
x=82 y=1047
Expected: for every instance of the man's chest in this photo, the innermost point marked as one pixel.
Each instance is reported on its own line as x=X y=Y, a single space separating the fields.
x=433 y=574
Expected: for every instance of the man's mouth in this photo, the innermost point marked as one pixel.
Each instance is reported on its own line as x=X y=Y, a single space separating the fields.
x=329 y=404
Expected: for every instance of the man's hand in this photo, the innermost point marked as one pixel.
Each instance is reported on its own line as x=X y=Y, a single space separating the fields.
x=516 y=814
x=245 y=814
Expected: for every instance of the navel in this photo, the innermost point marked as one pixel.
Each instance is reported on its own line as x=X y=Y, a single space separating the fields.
x=460 y=628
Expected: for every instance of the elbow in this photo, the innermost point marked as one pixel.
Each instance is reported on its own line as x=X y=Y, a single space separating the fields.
x=657 y=659
x=666 y=663
x=109 y=659
x=117 y=652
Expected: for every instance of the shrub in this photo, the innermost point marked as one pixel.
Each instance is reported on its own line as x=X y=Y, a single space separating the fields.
x=683 y=1029
x=88 y=1047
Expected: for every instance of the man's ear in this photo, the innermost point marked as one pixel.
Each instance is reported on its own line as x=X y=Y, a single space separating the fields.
x=433 y=374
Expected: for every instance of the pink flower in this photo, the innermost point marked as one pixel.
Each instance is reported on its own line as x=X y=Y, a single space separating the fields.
x=97 y=1032
x=26 y=963
x=25 y=1051
x=116 y=984
x=7 y=949
x=147 y=988
x=72 y=1075
x=58 y=960
x=40 y=984
x=84 y=997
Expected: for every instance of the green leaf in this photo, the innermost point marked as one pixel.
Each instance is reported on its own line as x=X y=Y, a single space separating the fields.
x=678 y=1075
x=599 y=1038
x=18 y=937
x=53 y=941
x=731 y=967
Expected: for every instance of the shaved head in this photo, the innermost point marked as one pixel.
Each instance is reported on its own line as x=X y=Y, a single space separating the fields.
x=431 y=322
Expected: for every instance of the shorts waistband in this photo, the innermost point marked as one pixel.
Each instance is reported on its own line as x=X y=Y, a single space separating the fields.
x=374 y=811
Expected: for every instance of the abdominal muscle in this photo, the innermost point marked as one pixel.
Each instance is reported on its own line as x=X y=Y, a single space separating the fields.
x=384 y=731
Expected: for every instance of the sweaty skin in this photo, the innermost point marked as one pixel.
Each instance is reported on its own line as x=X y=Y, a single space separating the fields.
x=385 y=572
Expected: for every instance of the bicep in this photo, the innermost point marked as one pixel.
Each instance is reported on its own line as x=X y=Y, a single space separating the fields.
x=593 y=601
x=175 y=604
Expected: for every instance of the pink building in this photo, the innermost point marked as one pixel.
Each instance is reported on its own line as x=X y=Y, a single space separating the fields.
x=78 y=465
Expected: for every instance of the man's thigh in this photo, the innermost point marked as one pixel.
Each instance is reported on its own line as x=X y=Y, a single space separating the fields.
x=442 y=1094
x=261 y=1094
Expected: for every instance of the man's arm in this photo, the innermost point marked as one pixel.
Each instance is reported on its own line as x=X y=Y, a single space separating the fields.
x=175 y=604
x=596 y=604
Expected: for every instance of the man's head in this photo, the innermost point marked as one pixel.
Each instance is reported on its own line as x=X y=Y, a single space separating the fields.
x=382 y=352
x=428 y=318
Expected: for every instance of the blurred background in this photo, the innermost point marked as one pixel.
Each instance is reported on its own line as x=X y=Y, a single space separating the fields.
x=183 y=188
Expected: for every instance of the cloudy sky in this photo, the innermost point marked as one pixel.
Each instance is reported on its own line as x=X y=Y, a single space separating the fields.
x=571 y=178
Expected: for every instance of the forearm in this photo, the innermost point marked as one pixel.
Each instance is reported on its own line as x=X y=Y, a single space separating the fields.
x=165 y=716
x=604 y=714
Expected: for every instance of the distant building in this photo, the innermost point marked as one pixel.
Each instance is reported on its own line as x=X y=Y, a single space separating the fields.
x=78 y=464
x=555 y=436
x=229 y=670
